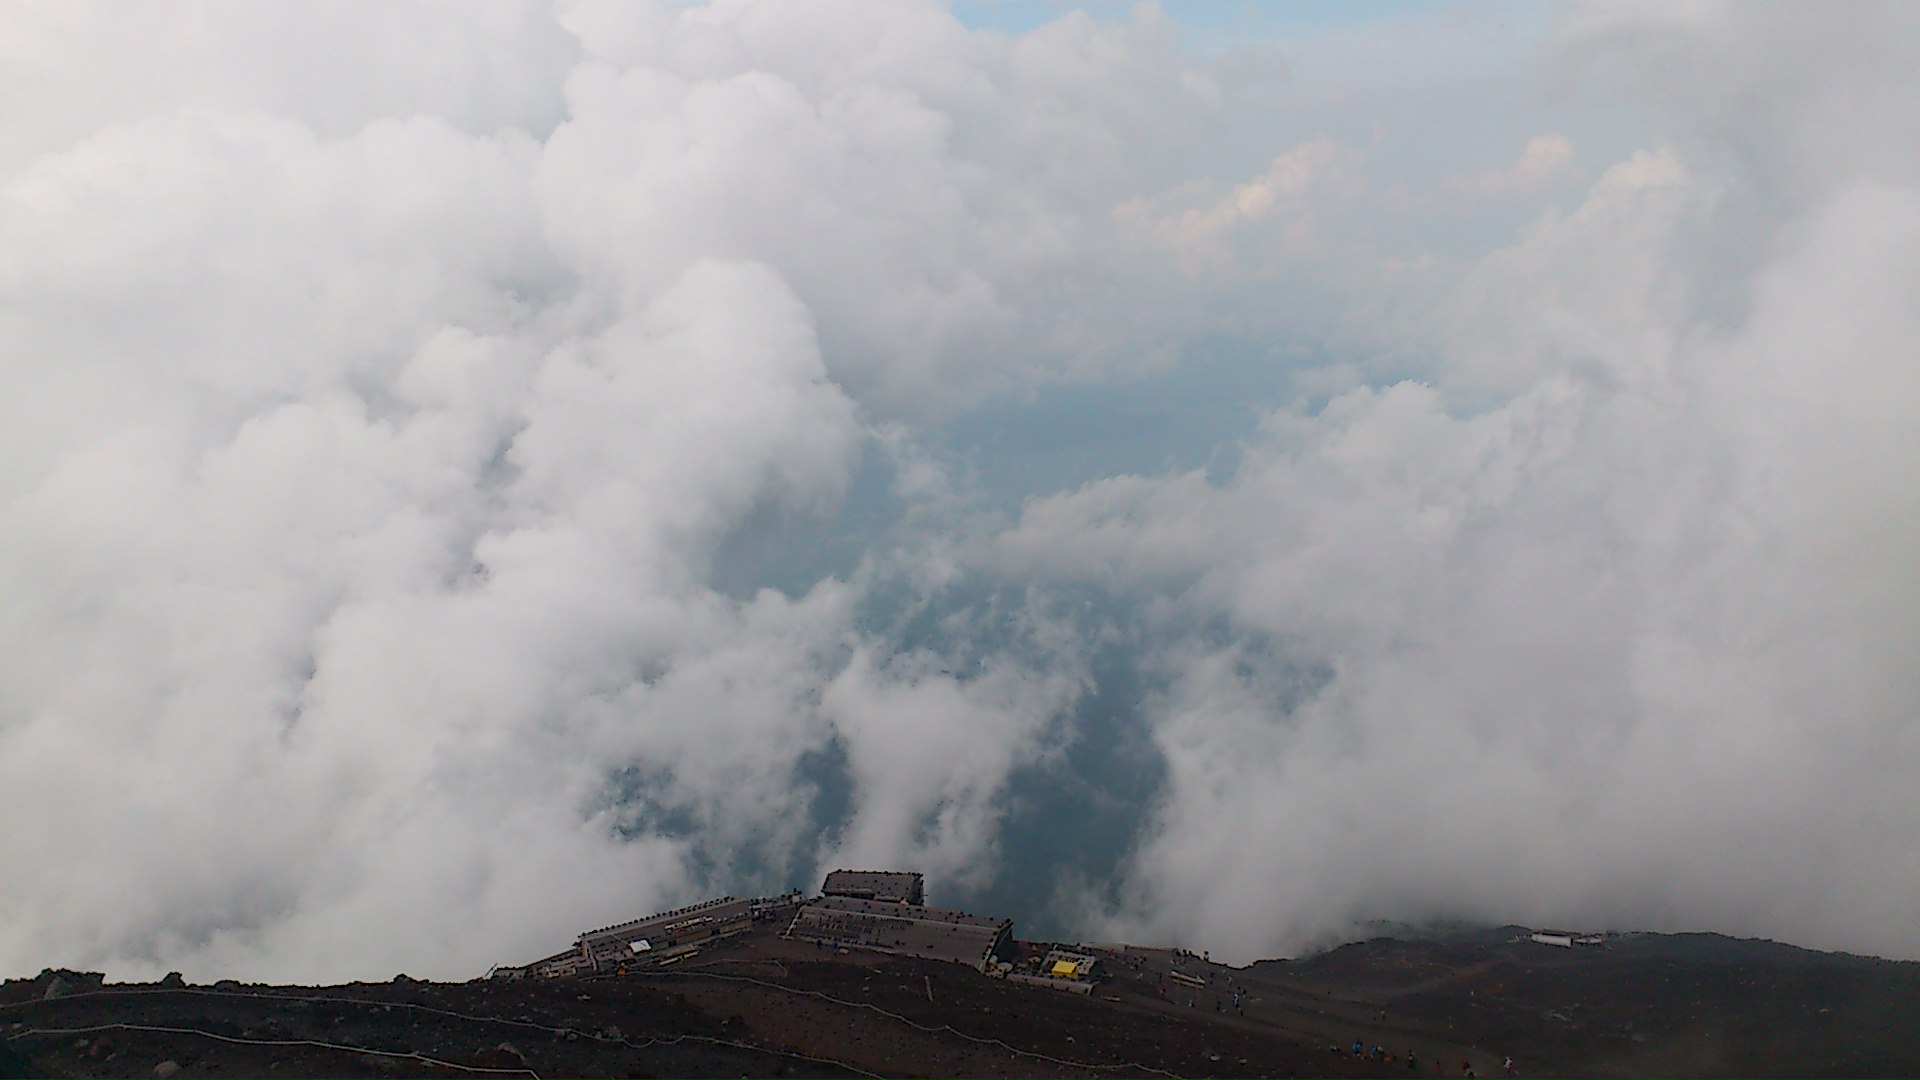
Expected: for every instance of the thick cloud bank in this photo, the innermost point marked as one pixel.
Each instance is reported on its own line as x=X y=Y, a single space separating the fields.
x=393 y=397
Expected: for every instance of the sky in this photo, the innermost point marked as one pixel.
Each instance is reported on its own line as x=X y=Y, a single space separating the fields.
x=1205 y=25
x=1218 y=475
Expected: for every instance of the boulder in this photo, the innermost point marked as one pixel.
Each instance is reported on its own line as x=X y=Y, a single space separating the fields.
x=174 y=979
x=165 y=1069
x=60 y=982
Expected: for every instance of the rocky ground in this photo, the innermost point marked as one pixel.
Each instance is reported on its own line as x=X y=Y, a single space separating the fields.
x=1684 y=1005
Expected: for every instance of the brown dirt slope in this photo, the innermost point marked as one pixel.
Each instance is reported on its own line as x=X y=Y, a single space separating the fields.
x=761 y=1006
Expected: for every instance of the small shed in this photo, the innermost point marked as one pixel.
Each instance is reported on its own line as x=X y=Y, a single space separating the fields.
x=1066 y=964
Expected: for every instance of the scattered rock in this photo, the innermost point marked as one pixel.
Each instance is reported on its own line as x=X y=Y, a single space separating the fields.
x=165 y=1069
x=174 y=979
x=76 y=980
x=610 y=1031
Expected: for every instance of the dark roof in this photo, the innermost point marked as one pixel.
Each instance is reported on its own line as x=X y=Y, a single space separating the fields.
x=885 y=882
x=907 y=929
x=723 y=906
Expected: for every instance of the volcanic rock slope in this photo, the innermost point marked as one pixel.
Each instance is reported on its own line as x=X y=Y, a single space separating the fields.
x=1684 y=1005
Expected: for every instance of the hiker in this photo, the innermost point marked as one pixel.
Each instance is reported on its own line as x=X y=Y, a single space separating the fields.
x=1507 y=1066
x=1413 y=1063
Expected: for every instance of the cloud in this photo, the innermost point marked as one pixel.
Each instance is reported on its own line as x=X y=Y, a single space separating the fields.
x=1290 y=189
x=1801 y=101
x=929 y=756
x=387 y=389
x=1599 y=627
x=368 y=454
x=478 y=67
x=1544 y=160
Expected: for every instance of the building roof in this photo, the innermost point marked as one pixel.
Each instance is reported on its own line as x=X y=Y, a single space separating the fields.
x=1070 y=964
x=906 y=929
x=897 y=884
x=722 y=906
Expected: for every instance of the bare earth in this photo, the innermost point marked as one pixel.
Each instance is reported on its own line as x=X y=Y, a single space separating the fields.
x=1642 y=1005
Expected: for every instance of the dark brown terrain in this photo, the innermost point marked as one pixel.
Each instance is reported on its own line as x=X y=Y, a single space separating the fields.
x=1641 y=1005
